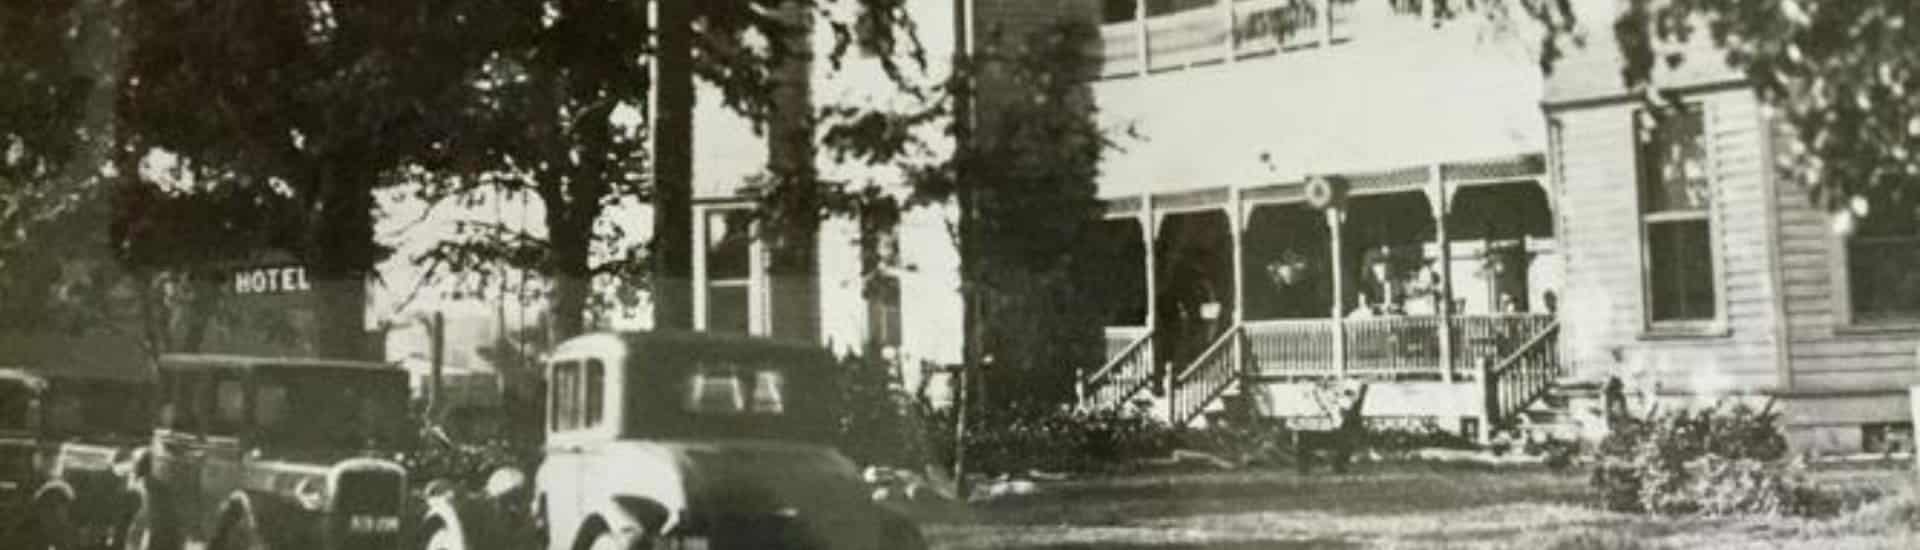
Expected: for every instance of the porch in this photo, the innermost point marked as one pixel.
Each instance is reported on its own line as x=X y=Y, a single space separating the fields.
x=1425 y=281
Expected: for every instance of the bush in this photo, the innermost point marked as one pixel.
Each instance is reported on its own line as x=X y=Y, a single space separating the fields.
x=1715 y=461
x=878 y=423
x=1020 y=440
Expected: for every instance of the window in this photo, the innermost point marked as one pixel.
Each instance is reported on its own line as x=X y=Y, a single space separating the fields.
x=1883 y=260
x=1676 y=203
x=565 y=399
x=229 y=405
x=596 y=391
x=729 y=273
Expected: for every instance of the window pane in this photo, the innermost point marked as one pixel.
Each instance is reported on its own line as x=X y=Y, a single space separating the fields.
x=1883 y=277
x=1673 y=161
x=596 y=388
x=727 y=309
x=1681 y=275
x=729 y=236
x=1115 y=11
x=229 y=407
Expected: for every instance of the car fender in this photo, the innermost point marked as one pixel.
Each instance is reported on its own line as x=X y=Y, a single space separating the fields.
x=480 y=524
x=275 y=517
x=629 y=517
x=57 y=487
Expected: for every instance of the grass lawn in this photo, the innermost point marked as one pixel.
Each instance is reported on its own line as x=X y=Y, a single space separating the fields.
x=1376 y=506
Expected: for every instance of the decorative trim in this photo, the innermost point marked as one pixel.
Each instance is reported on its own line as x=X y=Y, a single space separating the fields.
x=1625 y=96
x=1198 y=199
x=1531 y=165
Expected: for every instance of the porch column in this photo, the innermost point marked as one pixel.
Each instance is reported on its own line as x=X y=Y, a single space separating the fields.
x=1336 y=215
x=1437 y=198
x=1237 y=225
x=1146 y=236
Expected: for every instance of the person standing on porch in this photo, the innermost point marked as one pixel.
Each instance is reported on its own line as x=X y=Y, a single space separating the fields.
x=1378 y=293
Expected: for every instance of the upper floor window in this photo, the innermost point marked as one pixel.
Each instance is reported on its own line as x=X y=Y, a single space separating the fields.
x=1883 y=260
x=1676 y=204
x=729 y=270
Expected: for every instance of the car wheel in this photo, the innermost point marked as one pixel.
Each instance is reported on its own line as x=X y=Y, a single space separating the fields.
x=239 y=533
x=48 y=526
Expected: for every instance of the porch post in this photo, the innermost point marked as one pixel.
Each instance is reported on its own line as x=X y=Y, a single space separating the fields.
x=1146 y=235
x=1326 y=22
x=1237 y=221
x=1437 y=198
x=1336 y=215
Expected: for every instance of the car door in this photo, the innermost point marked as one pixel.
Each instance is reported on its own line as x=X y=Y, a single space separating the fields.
x=179 y=447
x=562 y=472
x=221 y=459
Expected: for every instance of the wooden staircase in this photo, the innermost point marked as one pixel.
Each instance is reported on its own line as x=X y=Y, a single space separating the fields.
x=1512 y=382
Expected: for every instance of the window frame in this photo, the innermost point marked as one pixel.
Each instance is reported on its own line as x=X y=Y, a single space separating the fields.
x=1644 y=221
x=1846 y=318
x=757 y=283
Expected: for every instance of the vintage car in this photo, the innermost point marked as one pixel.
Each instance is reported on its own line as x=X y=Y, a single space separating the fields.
x=664 y=440
x=63 y=440
x=254 y=452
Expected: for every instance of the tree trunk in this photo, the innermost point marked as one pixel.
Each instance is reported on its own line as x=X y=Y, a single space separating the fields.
x=571 y=272
x=340 y=255
x=671 y=287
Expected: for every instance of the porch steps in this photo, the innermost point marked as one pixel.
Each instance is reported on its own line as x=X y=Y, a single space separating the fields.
x=1570 y=410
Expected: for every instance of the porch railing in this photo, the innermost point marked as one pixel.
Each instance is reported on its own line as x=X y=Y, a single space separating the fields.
x=1393 y=346
x=1385 y=347
x=1205 y=379
x=1291 y=348
x=1515 y=380
x=1125 y=374
x=1207 y=33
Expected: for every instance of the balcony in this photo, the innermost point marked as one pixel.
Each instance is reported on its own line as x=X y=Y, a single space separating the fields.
x=1140 y=37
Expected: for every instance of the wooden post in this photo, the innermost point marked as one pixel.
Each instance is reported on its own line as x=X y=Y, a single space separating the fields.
x=1227 y=14
x=1140 y=28
x=1237 y=222
x=1151 y=355
x=1326 y=22
x=1336 y=216
x=1437 y=195
x=437 y=339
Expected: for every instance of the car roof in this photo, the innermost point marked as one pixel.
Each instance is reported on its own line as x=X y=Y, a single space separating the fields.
x=187 y=361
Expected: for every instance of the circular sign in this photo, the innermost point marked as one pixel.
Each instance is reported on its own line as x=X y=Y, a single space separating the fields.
x=1322 y=192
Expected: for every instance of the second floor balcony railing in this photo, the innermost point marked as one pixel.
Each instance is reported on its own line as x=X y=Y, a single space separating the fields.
x=1141 y=36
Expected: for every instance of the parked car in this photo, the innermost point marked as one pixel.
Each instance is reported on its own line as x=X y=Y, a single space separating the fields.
x=679 y=440
x=63 y=441
x=254 y=452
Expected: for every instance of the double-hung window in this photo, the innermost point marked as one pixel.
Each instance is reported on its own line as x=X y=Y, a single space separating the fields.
x=1883 y=259
x=1676 y=218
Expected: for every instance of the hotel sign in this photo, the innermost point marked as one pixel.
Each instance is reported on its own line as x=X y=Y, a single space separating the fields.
x=271 y=280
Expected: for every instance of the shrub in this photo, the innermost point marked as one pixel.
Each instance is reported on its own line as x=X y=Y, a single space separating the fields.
x=1020 y=440
x=1714 y=461
x=878 y=423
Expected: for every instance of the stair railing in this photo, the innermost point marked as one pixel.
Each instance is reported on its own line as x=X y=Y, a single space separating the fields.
x=1513 y=382
x=1124 y=375
x=1205 y=378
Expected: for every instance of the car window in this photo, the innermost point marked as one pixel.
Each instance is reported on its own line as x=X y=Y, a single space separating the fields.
x=595 y=391
x=725 y=388
x=16 y=405
x=229 y=405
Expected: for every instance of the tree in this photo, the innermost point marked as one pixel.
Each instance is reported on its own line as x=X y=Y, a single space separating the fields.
x=1837 y=74
x=318 y=101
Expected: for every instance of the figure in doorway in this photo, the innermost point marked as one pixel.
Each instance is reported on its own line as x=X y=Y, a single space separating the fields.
x=1287 y=292
x=1379 y=293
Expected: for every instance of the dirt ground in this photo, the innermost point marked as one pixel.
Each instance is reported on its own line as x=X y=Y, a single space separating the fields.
x=1377 y=506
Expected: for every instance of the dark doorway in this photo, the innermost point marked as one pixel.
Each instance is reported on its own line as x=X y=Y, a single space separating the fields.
x=1193 y=285
x=1288 y=264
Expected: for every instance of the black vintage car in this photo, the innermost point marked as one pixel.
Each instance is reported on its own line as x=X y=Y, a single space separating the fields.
x=256 y=452
x=65 y=439
x=666 y=440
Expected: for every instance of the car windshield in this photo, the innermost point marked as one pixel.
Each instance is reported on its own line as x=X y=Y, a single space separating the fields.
x=89 y=407
x=16 y=405
x=726 y=399
x=330 y=408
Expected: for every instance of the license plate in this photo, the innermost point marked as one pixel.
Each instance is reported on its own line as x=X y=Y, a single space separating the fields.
x=373 y=524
